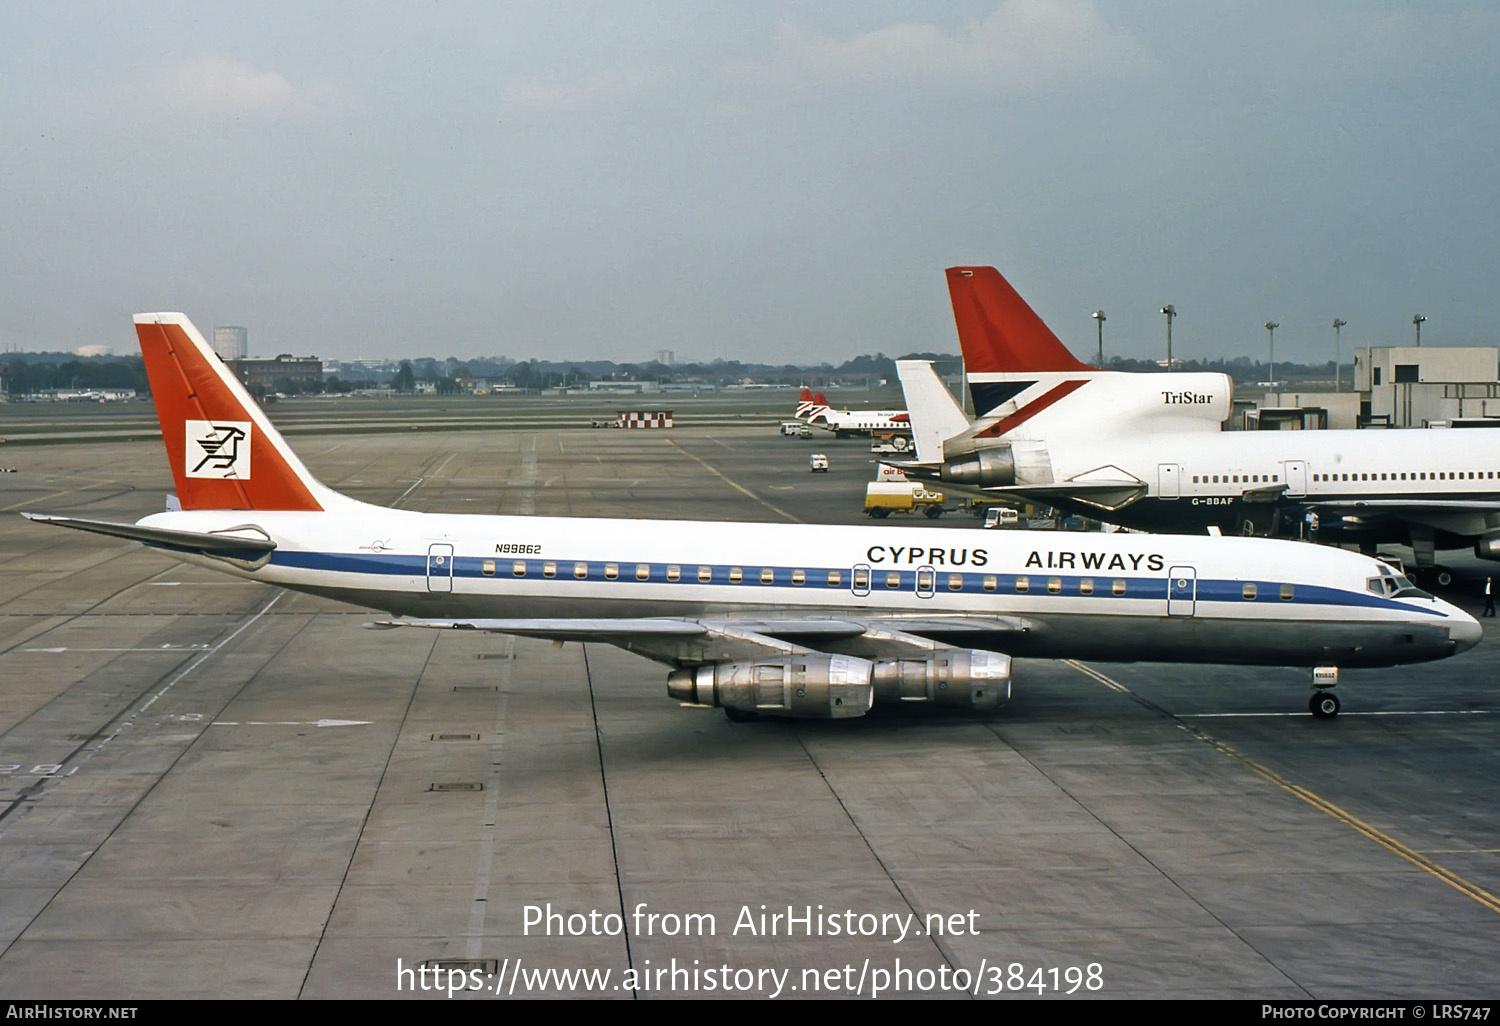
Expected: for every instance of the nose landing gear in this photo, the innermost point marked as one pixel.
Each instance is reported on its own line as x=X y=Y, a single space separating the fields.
x=1324 y=704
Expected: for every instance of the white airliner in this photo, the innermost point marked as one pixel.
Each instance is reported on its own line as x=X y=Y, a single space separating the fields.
x=1147 y=450
x=844 y=423
x=790 y=620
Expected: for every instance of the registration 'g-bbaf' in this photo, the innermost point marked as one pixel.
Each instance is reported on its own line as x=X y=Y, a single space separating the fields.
x=788 y=620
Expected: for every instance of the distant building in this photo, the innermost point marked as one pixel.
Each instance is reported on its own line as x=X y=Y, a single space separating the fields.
x=1410 y=386
x=94 y=351
x=301 y=372
x=666 y=357
x=231 y=342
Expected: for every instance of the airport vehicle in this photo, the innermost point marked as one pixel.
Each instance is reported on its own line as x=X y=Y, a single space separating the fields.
x=817 y=463
x=882 y=498
x=796 y=429
x=885 y=444
x=1147 y=451
x=793 y=620
x=1002 y=516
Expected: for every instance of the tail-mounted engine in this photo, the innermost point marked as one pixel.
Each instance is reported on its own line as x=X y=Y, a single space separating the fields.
x=983 y=468
x=802 y=686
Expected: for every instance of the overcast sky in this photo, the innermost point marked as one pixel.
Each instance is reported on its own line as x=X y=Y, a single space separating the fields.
x=777 y=181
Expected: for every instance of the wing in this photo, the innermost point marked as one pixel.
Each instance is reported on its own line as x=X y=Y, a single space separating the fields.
x=1467 y=517
x=694 y=642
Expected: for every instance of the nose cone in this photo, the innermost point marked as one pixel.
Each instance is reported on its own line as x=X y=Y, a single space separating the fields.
x=1464 y=630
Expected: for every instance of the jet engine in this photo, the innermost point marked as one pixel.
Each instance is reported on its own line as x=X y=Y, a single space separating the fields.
x=1487 y=548
x=983 y=468
x=959 y=678
x=812 y=686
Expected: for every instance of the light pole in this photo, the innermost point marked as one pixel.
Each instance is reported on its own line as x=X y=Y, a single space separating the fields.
x=1417 y=320
x=1338 y=381
x=1271 y=327
x=1098 y=315
x=1171 y=312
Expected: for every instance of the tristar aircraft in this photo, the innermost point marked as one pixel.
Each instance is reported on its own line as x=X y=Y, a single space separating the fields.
x=1147 y=450
x=789 y=620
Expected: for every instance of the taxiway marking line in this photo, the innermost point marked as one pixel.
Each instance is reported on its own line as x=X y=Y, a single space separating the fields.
x=56 y=495
x=1323 y=805
x=737 y=487
x=1387 y=712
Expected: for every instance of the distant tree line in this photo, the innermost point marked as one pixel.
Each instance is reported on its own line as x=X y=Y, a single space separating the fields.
x=44 y=372
x=38 y=372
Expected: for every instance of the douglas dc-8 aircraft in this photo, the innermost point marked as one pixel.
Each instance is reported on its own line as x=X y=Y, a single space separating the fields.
x=1146 y=450
x=790 y=620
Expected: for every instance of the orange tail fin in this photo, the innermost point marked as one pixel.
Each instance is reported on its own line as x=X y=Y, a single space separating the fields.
x=224 y=452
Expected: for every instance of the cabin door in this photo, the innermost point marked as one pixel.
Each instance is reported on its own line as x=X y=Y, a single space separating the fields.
x=440 y=567
x=1182 y=591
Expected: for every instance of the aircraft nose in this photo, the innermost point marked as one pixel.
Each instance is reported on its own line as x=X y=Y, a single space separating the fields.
x=1464 y=630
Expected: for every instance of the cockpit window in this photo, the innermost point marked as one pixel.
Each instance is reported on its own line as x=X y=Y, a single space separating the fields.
x=1393 y=585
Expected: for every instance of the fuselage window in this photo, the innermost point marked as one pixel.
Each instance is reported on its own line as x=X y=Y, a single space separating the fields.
x=643 y=571
x=799 y=576
x=487 y=568
x=767 y=575
x=611 y=571
x=835 y=578
x=991 y=583
x=1287 y=591
x=955 y=582
x=1248 y=591
x=674 y=573
x=861 y=579
x=1086 y=586
x=549 y=569
x=736 y=575
x=1054 y=585
x=1023 y=585
x=580 y=570
x=705 y=574
x=893 y=579
x=518 y=568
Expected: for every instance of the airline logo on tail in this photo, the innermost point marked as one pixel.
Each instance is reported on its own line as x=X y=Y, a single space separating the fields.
x=214 y=431
x=218 y=449
x=804 y=404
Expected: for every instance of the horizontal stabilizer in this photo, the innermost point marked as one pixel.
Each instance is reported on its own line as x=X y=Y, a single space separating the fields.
x=232 y=545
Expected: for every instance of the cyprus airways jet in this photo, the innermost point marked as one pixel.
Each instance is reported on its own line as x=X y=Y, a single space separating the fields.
x=1147 y=450
x=789 y=620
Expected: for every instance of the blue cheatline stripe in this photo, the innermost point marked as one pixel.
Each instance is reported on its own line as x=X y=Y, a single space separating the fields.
x=1226 y=592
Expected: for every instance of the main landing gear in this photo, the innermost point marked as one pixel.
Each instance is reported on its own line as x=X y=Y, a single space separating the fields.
x=1324 y=704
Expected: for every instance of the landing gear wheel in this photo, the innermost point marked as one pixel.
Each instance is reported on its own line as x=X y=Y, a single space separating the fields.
x=1444 y=577
x=741 y=716
x=1324 y=705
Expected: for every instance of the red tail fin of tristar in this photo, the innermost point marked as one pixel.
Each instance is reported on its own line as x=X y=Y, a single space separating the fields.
x=224 y=452
x=998 y=332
